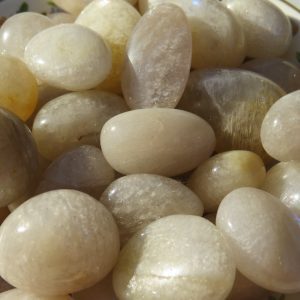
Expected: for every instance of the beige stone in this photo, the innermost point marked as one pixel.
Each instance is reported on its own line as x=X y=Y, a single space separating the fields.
x=264 y=238
x=160 y=141
x=61 y=18
x=72 y=242
x=16 y=294
x=225 y=172
x=177 y=257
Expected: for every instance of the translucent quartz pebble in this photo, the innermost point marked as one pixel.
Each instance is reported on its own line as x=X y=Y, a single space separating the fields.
x=235 y=113
x=268 y=30
x=74 y=119
x=69 y=56
x=283 y=181
x=61 y=18
x=155 y=61
x=137 y=200
x=104 y=17
x=177 y=257
x=68 y=234
x=292 y=53
x=83 y=168
x=18 y=159
x=280 y=130
x=16 y=294
x=218 y=39
x=225 y=172
x=18 y=30
x=282 y=72
x=264 y=238
x=71 y=6
x=161 y=141
x=18 y=87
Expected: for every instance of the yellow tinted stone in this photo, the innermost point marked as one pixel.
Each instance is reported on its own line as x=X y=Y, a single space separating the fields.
x=61 y=18
x=71 y=6
x=16 y=294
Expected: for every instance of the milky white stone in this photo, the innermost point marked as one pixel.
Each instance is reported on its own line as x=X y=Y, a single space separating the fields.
x=16 y=294
x=61 y=18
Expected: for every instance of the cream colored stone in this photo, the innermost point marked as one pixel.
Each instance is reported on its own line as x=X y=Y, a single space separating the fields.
x=58 y=243
x=283 y=181
x=218 y=39
x=267 y=29
x=61 y=18
x=160 y=141
x=280 y=130
x=137 y=200
x=16 y=294
x=74 y=119
x=114 y=21
x=158 y=55
x=71 y=6
x=264 y=238
x=69 y=56
x=177 y=257
x=225 y=172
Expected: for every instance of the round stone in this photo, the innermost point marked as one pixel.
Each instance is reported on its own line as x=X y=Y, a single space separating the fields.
x=176 y=257
x=264 y=238
x=71 y=6
x=69 y=56
x=61 y=18
x=16 y=294
x=72 y=242
x=160 y=141
x=280 y=128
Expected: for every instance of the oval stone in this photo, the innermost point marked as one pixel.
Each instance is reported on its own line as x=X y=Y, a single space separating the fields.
x=16 y=294
x=71 y=6
x=65 y=229
x=139 y=199
x=74 y=119
x=161 y=141
x=69 y=56
x=61 y=18
x=154 y=62
x=176 y=257
x=264 y=238
x=281 y=127
x=235 y=113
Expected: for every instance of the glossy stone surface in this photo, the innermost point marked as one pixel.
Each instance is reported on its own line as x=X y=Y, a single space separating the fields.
x=159 y=53
x=69 y=56
x=83 y=169
x=218 y=40
x=137 y=200
x=223 y=173
x=16 y=294
x=71 y=6
x=264 y=238
x=18 y=159
x=18 y=30
x=267 y=29
x=235 y=113
x=283 y=181
x=282 y=72
x=18 y=87
x=281 y=127
x=160 y=141
x=104 y=17
x=67 y=233
x=61 y=18
x=176 y=257
x=74 y=119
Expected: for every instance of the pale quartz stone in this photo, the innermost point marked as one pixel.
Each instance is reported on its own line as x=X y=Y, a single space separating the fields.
x=16 y=294
x=68 y=56
x=72 y=242
x=18 y=159
x=283 y=181
x=83 y=169
x=139 y=199
x=218 y=39
x=158 y=55
x=282 y=72
x=267 y=29
x=18 y=87
x=292 y=53
x=234 y=103
x=177 y=257
x=114 y=21
x=264 y=238
x=74 y=119
x=162 y=141
x=72 y=6
x=225 y=172
x=61 y=18
x=280 y=130
x=18 y=30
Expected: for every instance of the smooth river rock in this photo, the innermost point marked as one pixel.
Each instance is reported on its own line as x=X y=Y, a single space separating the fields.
x=162 y=141
x=16 y=294
x=159 y=54
x=177 y=257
